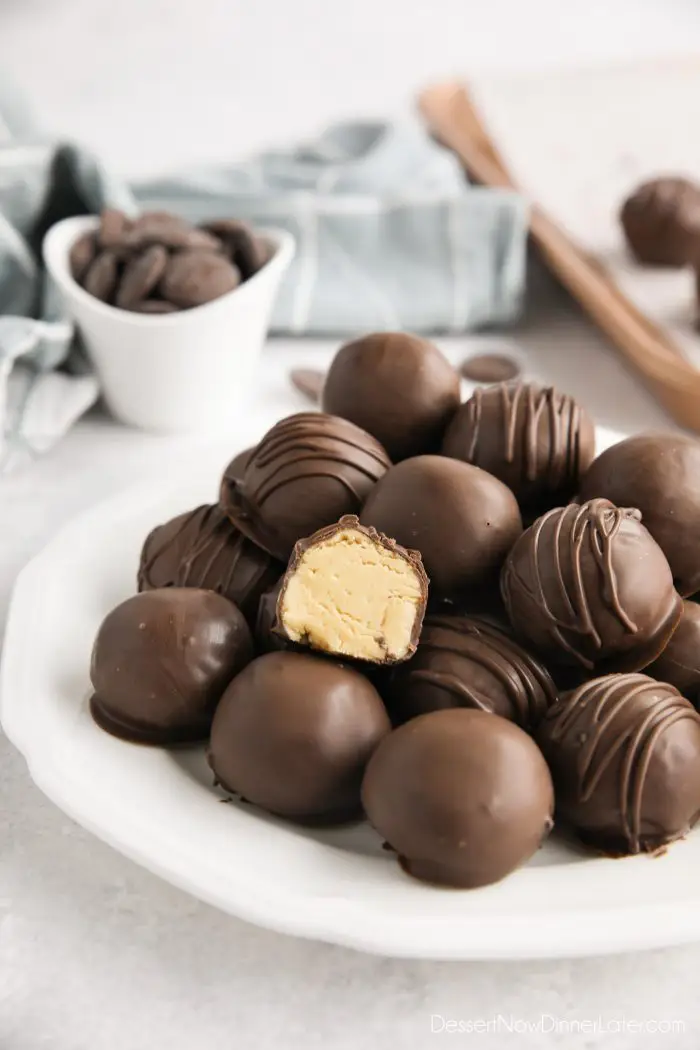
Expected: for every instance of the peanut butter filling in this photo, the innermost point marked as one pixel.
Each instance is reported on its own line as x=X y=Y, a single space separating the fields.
x=352 y=596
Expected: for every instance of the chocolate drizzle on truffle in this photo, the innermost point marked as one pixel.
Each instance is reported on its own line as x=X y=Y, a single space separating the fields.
x=612 y=775
x=309 y=469
x=202 y=548
x=467 y=662
x=587 y=583
x=533 y=438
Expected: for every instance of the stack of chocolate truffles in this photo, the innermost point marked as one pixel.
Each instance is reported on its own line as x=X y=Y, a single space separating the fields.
x=450 y=619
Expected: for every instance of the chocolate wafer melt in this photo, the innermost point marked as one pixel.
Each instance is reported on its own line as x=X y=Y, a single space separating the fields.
x=353 y=592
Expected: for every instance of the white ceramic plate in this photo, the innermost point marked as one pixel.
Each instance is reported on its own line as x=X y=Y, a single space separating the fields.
x=160 y=809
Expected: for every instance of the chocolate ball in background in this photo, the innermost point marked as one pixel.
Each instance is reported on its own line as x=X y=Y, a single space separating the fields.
x=293 y=734
x=661 y=222
x=679 y=663
x=587 y=585
x=624 y=752
x=536 y=440
x=461 y=519
x=161 y=661
x=659 y=474
x=464 y=797
x=397 y=387
x=309 y=470
x=202 y=548
x=466 y=662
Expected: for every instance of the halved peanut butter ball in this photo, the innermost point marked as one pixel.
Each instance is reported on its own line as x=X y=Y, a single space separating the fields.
x=353 y=592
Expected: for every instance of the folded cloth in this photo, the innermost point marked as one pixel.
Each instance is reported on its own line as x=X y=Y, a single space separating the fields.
x=389 y=236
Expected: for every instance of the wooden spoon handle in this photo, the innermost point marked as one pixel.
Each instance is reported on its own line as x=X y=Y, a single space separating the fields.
x=454 y=120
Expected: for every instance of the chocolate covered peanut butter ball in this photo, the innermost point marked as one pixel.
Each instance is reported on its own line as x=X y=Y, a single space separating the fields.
x=462 y=520
x=398 y=387
x=536 y=440
x=202 y=548
x=624 y=751
x=588 y=586
x=465 y=661
x=308 y=470
x=293 y=734
x=462 y=796
x=660 y=475
x=161 y=661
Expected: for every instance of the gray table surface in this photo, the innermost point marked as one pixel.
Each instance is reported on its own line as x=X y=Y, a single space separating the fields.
x=95 y=953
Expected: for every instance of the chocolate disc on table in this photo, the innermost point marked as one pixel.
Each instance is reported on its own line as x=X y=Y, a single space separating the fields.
x=490 y=368
x=141 y=275
x=587 y=585
x=193 y=278
x=102 y=276
x=624 y=752
x=293 y=734
x=309 y=382
x=82 y=255
x=660 y=475
x=309 y=469
x=161 y=661
x=464 y=661
x=353 y=592
x=398 y=387
x=202 y=548
x=462 y=796
x=244 y=248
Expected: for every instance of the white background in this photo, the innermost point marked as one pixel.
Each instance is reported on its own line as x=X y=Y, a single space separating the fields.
x=95 y=954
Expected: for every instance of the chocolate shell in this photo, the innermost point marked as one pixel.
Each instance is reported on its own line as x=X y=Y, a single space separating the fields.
x=202 y=548
x=461 y=519
x=267 y=640
x=536 y=440
x=162 y=660
x=396 y=386
x=679 y=663
x=587 y=585
x=624 y=752
x=352 y=592
x=293 y=734
x=307 y=471
x=463 y=661
x=660 y=475
x=463 y=797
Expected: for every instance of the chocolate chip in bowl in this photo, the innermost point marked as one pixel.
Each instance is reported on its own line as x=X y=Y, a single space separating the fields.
x=158 y=263
x=192 y=278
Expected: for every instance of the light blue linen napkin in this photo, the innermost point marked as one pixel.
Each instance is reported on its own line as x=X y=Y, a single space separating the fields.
x=389 y=236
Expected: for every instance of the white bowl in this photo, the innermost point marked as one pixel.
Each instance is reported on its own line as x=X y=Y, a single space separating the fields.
x=185 y=371
x=160 y=807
